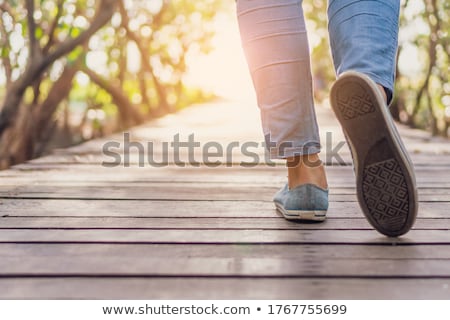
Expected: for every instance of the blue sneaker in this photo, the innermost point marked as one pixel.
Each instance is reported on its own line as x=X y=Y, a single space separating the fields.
x=305 y=202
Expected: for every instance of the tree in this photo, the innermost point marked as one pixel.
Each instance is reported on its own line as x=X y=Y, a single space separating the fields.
x=46 y=48
x=424 y=102
x=21 y=121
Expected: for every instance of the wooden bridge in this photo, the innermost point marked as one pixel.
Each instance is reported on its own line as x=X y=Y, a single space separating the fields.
x=72 y=228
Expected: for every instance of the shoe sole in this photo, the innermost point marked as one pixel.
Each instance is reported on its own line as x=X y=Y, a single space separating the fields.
x=385 y=181
x=310 y=215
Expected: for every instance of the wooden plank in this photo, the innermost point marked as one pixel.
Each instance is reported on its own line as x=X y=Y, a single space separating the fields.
x=121 y=208
x=235 y=173
x=277 y=166
x=177 y=209
x=337 y=185
x=276 y=223
x=342 y=186
x=273 y=182
x=180 y=192
x=95 y=157
x=222 y=236
x=304 y=266
x=236 y=251
x=272 y=223
x=223 y=288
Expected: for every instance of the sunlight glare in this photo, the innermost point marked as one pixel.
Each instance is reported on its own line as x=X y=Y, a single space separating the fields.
x=224 y=70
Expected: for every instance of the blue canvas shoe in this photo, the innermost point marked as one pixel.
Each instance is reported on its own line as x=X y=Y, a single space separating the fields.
x=305 y=202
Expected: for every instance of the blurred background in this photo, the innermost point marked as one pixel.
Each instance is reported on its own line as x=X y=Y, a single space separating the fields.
x=73 y=70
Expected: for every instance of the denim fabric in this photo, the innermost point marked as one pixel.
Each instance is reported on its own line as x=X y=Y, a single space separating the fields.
x=363 y=37
x=275 y=42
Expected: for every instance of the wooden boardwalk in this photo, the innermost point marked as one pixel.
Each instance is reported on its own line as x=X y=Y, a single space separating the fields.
x=71 y=228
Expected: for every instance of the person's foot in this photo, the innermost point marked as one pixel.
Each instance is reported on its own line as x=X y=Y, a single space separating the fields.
x=305 y=196
x=304 y=202
x=385 y=181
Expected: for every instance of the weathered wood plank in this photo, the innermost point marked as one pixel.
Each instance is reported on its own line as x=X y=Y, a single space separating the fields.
x=222 y=236
x=177 y=209
x=277 y=166
x=203 y=173
x=304 y=266
x=236 y=251
x=337 y=185
x=223 y=288
x=180 y=192
x=95 y=157
x=275 y=223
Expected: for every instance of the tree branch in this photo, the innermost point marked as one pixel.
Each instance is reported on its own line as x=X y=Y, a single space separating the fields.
x=5 y=7
x=34 y=46
x=144 y=55
x=129 y=112
x=51 y=31
x=105 y=11
x=431 y=11
x=58 y=92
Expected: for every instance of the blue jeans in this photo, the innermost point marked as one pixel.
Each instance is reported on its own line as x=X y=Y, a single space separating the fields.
x=363 y=37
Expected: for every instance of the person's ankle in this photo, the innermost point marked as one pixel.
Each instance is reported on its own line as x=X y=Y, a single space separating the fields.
x=306 y=169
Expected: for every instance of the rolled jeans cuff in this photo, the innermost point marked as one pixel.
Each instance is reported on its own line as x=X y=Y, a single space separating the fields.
x=281 y=152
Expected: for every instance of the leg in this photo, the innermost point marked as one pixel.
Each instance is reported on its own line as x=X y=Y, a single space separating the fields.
x=363 y=36
x=276 y=46
x=275 y=42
